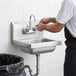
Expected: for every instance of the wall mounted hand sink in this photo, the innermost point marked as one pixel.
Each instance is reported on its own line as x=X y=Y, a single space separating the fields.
x=32 y=43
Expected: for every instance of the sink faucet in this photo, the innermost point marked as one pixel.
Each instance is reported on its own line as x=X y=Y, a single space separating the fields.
x=28 y=28
x=30 y=20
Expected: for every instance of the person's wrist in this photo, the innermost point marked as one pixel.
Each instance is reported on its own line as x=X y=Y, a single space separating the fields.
x=45 y=26
x=48 y=20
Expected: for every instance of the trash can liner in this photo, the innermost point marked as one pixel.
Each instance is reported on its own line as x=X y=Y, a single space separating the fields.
x=11 y=65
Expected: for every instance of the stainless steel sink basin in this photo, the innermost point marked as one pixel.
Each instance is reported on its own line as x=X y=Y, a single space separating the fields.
x=37 y=46
x=32 y=43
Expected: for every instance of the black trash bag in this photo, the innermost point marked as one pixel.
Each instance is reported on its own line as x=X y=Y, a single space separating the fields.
x=11 y=65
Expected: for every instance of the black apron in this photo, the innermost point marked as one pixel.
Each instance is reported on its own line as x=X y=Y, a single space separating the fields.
x=70 y=55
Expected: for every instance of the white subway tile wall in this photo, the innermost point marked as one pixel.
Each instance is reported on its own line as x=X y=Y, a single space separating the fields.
x=51 y=64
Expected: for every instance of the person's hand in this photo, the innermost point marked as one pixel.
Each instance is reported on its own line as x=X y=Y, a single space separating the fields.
x=45 y=20
x=41 y=26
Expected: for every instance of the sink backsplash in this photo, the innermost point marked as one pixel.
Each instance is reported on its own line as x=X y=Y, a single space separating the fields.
x=17 y=32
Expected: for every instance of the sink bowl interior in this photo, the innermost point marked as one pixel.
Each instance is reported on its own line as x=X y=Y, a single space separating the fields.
x=34 y=41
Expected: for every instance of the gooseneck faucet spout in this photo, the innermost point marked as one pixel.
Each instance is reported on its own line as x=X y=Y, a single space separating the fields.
x=29 y=26
x=30 y=20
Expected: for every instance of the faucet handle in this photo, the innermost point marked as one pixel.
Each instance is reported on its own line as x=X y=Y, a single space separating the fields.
x=25 y=30
x=34 y=29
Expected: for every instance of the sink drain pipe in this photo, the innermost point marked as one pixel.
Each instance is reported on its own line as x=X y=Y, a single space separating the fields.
x=37 y=66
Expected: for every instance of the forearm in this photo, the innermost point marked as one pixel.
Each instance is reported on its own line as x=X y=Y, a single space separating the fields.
x=56 y=27
x=53 y=20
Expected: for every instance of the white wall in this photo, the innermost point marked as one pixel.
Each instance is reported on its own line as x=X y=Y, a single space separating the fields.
x=51 y=64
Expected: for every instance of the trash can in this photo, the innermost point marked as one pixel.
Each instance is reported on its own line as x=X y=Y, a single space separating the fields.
x=11 y=65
